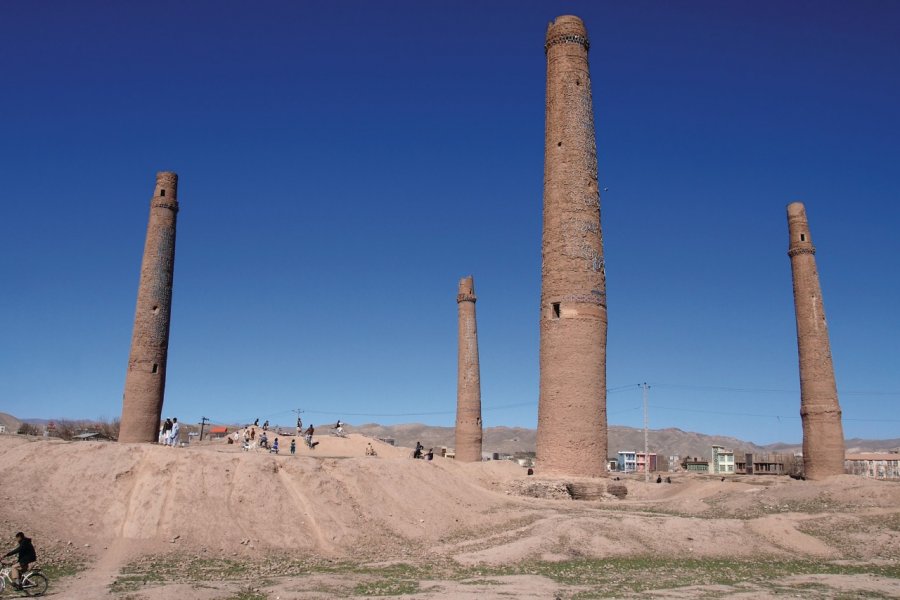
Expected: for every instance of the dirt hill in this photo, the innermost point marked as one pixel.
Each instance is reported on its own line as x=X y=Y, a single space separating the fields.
x=213 y=509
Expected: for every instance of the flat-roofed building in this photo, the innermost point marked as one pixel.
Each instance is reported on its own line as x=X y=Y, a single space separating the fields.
x=722 y=461
x=877 y=465
x=634 y=462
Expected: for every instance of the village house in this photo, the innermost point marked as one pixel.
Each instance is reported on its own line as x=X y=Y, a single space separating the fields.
x=876 y=465
x=634 y=462
x=722 y=462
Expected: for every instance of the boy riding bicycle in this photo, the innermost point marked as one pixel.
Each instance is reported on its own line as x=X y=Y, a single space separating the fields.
x=26 y=556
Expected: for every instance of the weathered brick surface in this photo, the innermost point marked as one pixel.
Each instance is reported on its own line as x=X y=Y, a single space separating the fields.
x=572 y=429
x=145 y=381
x=468 y=377
x=823 y=434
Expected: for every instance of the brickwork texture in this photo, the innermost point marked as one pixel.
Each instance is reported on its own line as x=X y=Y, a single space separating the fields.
x=820 y=412
x=572 y=427
x=145 y=380
x=468 y=377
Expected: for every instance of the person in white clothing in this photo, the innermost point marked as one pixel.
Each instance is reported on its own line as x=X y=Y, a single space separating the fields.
x=173 y=436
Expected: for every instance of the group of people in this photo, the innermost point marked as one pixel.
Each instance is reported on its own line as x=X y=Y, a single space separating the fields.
x=417 y=453
x=251 y=441
x=168 y=433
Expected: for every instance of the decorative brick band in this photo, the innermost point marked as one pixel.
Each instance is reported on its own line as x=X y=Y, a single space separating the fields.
x=568 y=38
x=170 y=205
x=465 y=298
x=594 y=298
x=796 y=251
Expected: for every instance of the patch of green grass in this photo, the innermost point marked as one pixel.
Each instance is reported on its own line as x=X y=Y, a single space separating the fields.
x=616 y=576
x=248 y=594
x=580 y=578
x=60 y=570
x=386 y=587
x=134 y=582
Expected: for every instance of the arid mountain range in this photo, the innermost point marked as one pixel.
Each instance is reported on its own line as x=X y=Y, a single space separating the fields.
x=665 y=442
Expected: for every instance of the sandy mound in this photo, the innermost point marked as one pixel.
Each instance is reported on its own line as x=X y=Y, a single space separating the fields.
x=333 y=501
x=118 y=502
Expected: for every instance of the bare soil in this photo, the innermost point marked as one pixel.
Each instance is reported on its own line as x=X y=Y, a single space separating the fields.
x=212 y=521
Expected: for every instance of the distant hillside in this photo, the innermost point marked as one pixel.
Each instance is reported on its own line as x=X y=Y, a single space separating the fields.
x=10 y=422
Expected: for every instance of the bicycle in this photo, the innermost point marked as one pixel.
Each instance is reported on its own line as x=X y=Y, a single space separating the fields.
x=34 y=583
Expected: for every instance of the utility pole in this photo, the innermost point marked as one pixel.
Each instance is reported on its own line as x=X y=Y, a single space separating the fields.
x=645 y=388
x=203 y=421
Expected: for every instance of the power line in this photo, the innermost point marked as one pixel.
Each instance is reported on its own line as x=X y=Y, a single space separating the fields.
x=739 y=414
x=770 y=390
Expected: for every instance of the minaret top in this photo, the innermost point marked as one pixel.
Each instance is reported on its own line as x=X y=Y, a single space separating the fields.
x=566 y=29
x=798 y=228
x=466 y=290
x=166 y=185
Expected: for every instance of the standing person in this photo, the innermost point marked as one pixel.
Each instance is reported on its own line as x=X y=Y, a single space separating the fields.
x=173 y=435
x=309 y=434
x=275 y=446
x=256 y=422
x=299 y=426
x=266 y=425
x=166 y=431
x=417 y=453
x=26 y=556
x=293 y=447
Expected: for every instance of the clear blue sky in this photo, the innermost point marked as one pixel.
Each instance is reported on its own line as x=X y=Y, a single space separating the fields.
x=343 y=164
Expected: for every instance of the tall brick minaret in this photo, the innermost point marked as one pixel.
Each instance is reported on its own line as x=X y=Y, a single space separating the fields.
x=571 y=436
x=145 y=381
x=468 y=377
x=820 y=412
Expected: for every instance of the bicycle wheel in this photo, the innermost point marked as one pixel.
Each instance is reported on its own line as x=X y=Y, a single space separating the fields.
x=35 y=584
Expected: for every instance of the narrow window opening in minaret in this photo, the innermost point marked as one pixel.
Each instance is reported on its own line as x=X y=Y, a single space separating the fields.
x=802 y=237
x=162 y=192
x=155 y=309
x=555 y=308
x=155 y=368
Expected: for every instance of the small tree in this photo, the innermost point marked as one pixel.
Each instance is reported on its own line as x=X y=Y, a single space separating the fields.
x=28 y=429
x=109 y=429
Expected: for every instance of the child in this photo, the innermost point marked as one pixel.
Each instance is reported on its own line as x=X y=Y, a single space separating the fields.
x=293 y=446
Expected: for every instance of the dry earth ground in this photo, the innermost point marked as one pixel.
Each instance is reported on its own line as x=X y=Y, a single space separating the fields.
x=213 y=522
